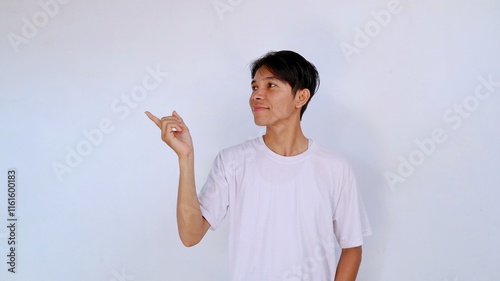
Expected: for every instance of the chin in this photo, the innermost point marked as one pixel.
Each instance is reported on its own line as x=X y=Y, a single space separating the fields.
x=259 y=122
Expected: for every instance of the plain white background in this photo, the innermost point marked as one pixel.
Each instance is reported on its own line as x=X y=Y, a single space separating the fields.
x=112 y=215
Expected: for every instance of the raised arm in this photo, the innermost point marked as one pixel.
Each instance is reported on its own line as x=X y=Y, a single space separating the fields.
x=191 y=224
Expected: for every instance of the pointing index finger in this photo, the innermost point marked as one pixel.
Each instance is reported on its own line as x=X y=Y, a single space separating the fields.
x=153 y=118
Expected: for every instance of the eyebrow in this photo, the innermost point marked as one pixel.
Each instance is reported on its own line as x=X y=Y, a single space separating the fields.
x=265 y=78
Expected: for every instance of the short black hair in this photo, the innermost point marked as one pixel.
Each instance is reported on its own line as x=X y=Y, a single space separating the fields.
x=292 y=68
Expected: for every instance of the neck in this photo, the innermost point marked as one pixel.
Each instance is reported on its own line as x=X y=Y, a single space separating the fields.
x=286 y=141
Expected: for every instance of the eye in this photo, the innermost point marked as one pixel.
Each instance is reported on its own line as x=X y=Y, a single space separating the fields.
x=271 y=85
x=254 y=88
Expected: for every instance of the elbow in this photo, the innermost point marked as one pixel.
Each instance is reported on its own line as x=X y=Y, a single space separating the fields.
x=191 y=236
x=189 y=241
x=189 y=244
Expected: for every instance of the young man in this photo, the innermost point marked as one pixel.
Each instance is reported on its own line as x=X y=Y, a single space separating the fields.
x=287 y=197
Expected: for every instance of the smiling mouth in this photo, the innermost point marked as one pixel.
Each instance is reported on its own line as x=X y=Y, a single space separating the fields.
x=259 y=108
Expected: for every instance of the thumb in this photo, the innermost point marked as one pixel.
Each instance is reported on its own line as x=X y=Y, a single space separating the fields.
x=176 y=115
x=181 y=122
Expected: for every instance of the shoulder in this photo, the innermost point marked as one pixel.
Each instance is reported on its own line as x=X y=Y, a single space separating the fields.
x=330 y=156
x=335 y=165
x=239 y=150
x=333 y=162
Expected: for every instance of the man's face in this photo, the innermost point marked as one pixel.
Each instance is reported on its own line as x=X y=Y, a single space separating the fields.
x=272 y=101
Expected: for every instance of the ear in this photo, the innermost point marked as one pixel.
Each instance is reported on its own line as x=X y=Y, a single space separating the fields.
x=302 y=97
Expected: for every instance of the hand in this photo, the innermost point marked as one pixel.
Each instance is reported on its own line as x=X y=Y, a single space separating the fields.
x=174 y=133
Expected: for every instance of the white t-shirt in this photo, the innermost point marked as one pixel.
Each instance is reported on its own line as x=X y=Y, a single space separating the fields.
x=285 y=212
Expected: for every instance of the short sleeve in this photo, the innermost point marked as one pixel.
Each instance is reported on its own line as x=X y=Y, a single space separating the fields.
x=214 y=195
x=350 y=221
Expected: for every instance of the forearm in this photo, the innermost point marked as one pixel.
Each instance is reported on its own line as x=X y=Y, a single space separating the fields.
x=348 y=266
x=190 y=221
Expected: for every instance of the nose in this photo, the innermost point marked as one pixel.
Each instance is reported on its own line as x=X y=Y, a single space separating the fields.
x=257 y=95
